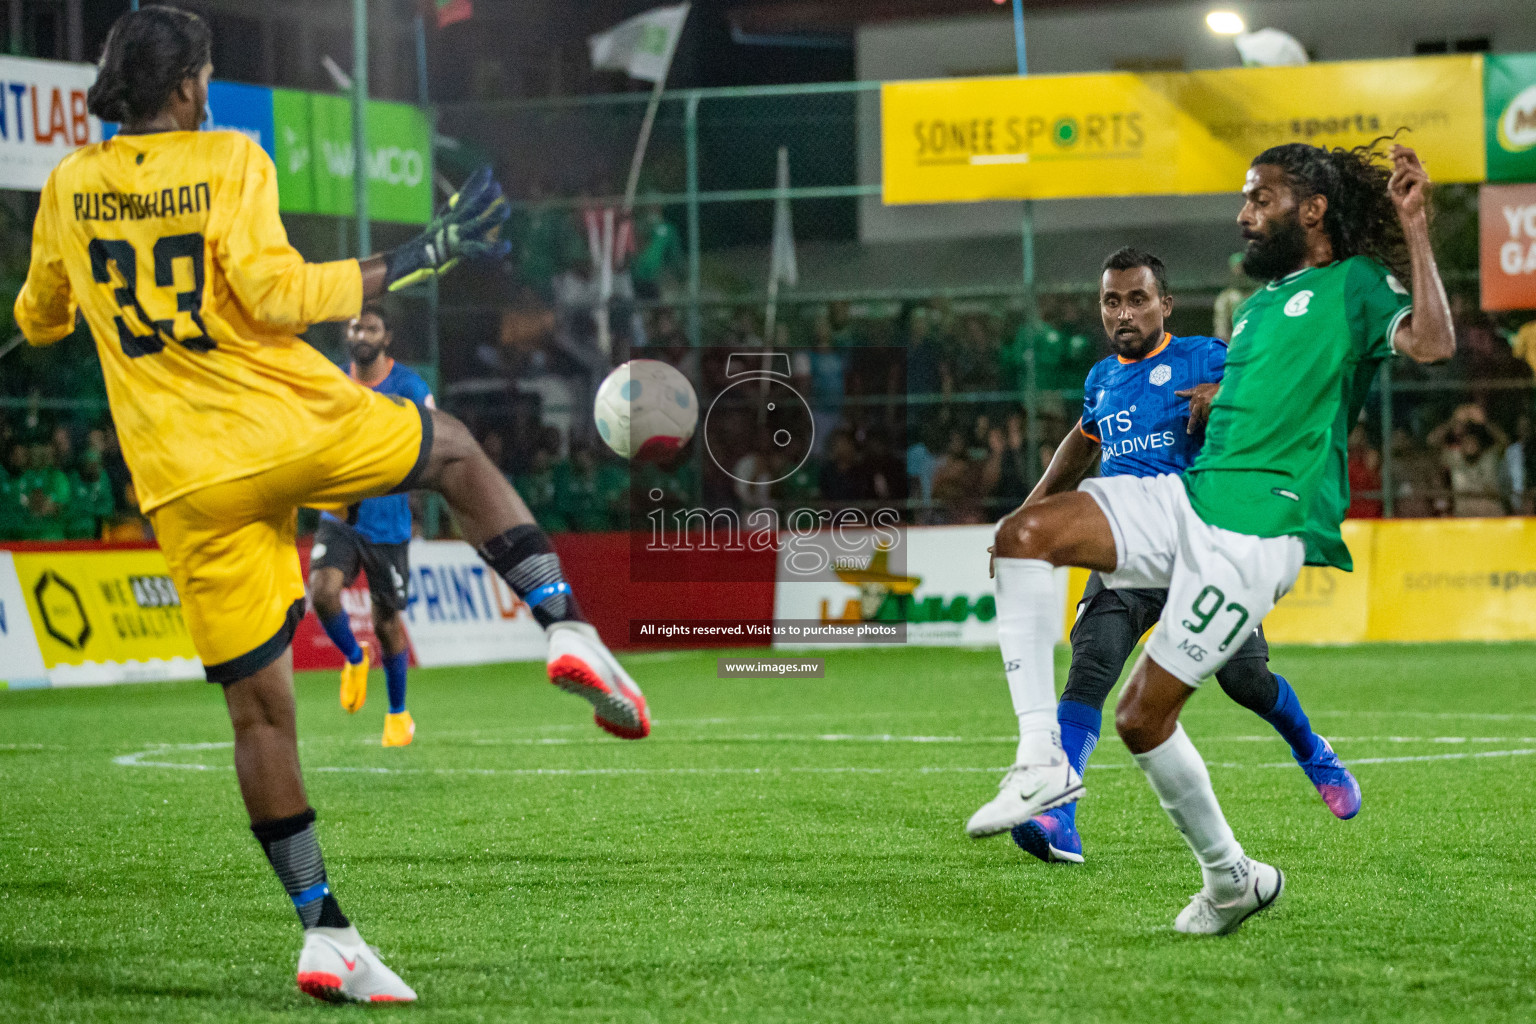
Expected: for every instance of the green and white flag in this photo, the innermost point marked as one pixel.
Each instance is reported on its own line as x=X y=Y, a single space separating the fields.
x=643 y=46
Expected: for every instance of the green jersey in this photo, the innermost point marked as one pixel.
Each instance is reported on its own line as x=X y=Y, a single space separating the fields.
x=1304 y=351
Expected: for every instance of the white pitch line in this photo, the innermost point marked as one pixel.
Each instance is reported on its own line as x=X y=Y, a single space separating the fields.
x=138 y=760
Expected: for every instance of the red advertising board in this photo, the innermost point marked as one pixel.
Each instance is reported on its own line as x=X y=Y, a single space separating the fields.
x=1507 y=233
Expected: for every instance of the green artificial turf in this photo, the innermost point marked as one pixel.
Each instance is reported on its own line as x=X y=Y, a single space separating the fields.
x=777 y=851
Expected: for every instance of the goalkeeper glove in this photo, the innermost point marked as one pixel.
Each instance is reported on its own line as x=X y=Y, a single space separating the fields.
x=470 y=227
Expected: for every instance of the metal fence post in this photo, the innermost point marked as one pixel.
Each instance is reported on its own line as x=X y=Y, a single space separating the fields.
x=1388 y=492
x=691 y=150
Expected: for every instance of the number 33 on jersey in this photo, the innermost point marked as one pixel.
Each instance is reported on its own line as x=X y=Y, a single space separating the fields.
x=171 y=246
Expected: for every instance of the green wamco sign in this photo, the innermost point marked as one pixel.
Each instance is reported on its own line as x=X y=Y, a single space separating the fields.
x=314 y=157
x=1509 y=92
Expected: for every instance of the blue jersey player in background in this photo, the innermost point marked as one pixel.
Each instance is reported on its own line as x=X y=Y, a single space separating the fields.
x=375 y=538
x=1144 y=411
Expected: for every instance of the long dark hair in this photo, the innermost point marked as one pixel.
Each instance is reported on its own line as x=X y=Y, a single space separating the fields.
x=1361 y=220
x=149 y=52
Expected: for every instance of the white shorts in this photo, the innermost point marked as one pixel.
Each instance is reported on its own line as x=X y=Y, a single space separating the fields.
x=1220 y=584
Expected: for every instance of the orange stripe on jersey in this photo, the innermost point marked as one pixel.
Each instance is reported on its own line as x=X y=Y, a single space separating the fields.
x=1160 y=346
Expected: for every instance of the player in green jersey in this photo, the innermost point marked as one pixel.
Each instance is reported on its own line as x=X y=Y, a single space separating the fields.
x=1325 y=230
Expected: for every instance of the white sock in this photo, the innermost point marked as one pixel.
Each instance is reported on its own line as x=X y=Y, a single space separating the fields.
x=1028 y=625
x=1183 y=786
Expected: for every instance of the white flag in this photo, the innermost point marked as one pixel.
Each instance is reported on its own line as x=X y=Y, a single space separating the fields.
x=643 y=46
x=782 y=265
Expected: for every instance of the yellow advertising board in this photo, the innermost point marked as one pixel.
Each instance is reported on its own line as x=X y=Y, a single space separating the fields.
x=1327 y=605
x=1453 y=579
x=106 y=616
x=1114 y=134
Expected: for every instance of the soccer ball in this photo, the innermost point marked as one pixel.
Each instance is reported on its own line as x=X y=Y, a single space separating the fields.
x=646 y=410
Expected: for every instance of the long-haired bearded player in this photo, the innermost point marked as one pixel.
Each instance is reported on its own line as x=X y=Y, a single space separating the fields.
x=168 y=240
x=1329 y=231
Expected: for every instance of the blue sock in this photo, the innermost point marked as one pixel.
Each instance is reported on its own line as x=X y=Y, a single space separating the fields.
x=339 y=629
x=394 y=678
x=1080 y=725
x=1291 y=722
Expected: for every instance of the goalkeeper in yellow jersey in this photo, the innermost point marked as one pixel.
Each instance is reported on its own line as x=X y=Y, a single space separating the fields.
x=168 y=240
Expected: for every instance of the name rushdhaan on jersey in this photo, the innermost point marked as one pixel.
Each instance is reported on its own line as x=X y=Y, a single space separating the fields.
x=171 y=247
x=168 y=202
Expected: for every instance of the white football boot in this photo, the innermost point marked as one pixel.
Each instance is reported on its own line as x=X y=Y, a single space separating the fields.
x=580 y=664
x=1026 y=790
x=339 y=967
x=1204 y=916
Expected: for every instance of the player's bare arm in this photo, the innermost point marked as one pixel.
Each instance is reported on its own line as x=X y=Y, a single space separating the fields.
x=1427 y=335
x=1074 y=459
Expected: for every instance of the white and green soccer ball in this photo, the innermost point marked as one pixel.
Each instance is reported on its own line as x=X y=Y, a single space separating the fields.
x=646 y=410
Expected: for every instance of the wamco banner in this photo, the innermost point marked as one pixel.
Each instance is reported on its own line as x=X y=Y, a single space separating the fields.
x=1060 y=136
x=314 y=157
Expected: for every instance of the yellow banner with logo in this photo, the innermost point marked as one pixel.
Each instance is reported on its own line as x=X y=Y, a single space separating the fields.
x=106 y=616
x=1117 y=134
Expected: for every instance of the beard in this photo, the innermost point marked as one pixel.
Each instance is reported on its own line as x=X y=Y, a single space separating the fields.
x=1277 y=252
x=363 y=353
x=1134 y=345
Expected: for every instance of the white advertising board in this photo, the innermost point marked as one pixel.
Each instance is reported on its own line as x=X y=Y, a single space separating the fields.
x=942 y=589
x=461 y=613
x=21 y=662
x=42 y=118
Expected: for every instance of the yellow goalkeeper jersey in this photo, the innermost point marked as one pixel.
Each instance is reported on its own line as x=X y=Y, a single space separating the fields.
x=171 y=246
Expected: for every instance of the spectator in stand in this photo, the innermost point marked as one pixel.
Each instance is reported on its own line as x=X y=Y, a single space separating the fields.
x=90 y=498
x=922 y=465
x=1472 y=462
x=537 y=486
x=1417 y=479
x=11 y=512
x=128 y=524
x=957 y=493
x=1006 y=473
x=660 y=254
x=752 y=476
x=44 y=495
x=1365 y=500
x=590 y=495
x=844 y=333
x=1512 y=476
x=824 y=369
x=1238 y=288
x=928 y=368
x=63 y=444
x=844 y=477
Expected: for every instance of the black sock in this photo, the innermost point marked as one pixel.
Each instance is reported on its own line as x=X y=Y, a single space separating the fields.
x=523 y=557
x=294 y=851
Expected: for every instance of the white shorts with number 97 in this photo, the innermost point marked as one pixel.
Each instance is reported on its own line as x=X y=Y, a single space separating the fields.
x=1220 y=584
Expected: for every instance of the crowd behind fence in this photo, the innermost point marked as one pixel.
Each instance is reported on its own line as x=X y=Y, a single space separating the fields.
x=993 y=358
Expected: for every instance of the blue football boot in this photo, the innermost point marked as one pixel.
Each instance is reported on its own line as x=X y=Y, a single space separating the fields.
x=1051 y=836
x=1334 y=782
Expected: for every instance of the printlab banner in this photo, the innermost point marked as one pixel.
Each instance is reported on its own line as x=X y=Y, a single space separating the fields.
x=461 y=613
x=1507 y=246
x=1058 y=136
x=42 y=118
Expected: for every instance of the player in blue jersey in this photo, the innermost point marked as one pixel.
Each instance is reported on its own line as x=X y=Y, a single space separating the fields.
x=1143 y=415
x=375 y=538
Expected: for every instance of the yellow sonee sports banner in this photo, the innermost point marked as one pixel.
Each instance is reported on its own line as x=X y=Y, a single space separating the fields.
x=106 y=616
x=1116 y=134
